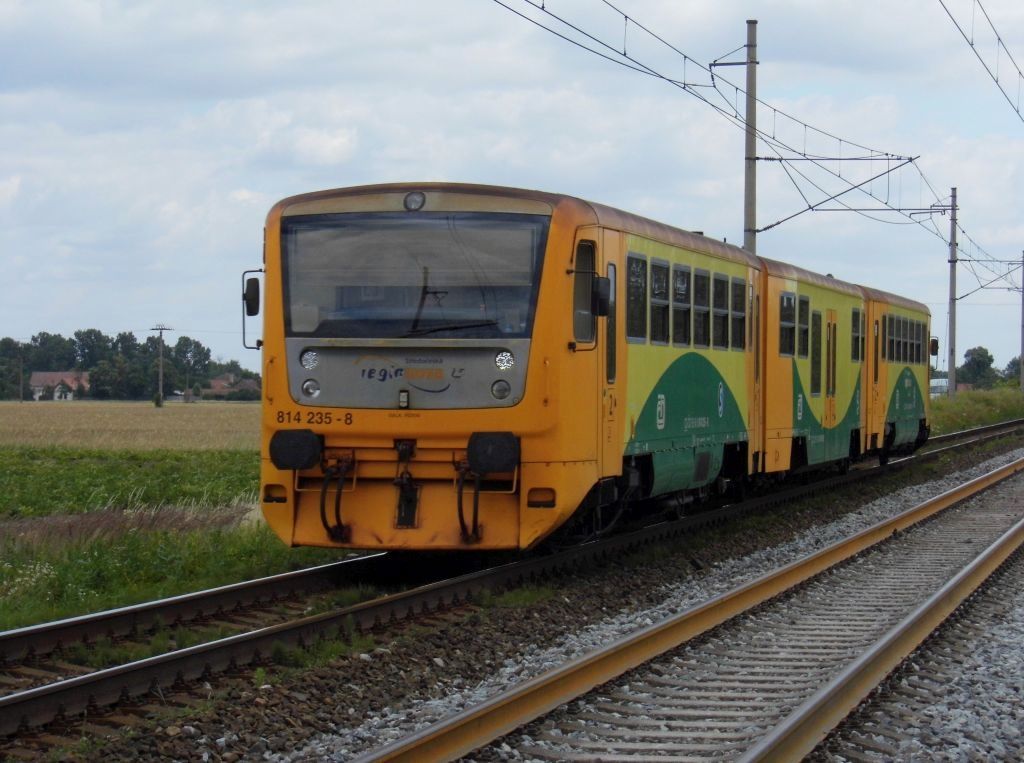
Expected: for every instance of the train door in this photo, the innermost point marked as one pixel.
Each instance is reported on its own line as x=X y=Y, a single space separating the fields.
x=831 y=335
x=609 y=363
x=755 y=415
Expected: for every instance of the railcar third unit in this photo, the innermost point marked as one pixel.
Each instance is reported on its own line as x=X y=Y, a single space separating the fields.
x=471 y=367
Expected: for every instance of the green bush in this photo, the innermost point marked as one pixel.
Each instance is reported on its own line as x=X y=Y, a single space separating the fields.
x=975 y=408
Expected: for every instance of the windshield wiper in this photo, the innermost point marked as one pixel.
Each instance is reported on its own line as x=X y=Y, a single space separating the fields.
x=450 y=327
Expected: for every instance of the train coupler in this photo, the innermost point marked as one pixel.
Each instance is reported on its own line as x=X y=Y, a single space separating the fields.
x=338 y=532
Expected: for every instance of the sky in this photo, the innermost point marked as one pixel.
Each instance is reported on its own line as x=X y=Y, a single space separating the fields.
x=142 y=143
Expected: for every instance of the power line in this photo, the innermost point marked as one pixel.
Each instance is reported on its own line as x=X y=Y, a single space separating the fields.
x=785 y=153
x=1000 y=49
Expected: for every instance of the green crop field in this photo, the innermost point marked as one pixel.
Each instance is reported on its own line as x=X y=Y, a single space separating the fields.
x=106 y=504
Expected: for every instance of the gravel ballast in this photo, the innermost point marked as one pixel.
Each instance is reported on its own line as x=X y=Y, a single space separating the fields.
x=355 y=704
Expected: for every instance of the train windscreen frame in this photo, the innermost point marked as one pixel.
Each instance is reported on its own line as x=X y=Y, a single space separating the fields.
x=384 y=275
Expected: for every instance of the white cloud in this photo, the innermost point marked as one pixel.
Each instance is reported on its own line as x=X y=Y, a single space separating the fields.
x=9 y=188
x=157 y=134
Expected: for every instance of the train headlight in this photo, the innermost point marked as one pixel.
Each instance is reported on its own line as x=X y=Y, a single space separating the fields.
x=311 y=388
x=414 y=201
x=310 y=359
x=501 y=389
x=504 y=360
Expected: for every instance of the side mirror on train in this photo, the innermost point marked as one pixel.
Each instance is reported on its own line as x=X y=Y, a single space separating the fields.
x=251 y=296
x=933 y=347
x=600 y=295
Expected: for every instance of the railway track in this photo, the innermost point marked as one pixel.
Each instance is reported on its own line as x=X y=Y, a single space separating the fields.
x=31 y=708
x=740 y=678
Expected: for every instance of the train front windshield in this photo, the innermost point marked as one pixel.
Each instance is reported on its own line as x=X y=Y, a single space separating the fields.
x=396 y=275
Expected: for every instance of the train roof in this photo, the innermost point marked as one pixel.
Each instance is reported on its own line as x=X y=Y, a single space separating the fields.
x=896 y=300
x=785 y=270
x=643 y=226
x=612 y=218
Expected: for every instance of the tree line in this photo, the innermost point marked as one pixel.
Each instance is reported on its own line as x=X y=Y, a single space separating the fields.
x=120 y=367
x=979 y=370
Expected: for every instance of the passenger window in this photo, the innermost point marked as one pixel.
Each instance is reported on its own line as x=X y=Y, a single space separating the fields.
x=855 y=336
x=885 y=320
x=701 y=308
x=805 y=312
x=720 y=322
x=876 y=348
x=659 y=302
x=584 y=324
x=816 y=353
x=787 y=324
x=863 y=336
x=636 y=298
x=738 y=314
x=681 y=306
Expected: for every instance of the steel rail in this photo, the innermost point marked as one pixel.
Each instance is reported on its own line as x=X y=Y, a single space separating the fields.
x=475 y=727
x=40 y=705
x=1011 y=424
x=810 y=723
x=43 y=638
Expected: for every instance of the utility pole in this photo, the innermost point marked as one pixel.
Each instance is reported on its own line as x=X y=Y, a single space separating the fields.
x=750 y=171
x=161 y=328
x=952 y=297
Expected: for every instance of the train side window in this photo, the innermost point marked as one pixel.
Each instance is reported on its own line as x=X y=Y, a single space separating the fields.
x=636 y=298
x=855 y=337
x=738 y=314
x=751 y=313
x=610 y=325
x=681 y=297
x=877 y=344
x=816 y=353
x=803 y=318
x=701 y=308
x=720 y=305
x=885 y=321
x=863 y=335
x=901 y=339
x=584 y=323
x=920 y=343
x=787 y=324
x=659 y=302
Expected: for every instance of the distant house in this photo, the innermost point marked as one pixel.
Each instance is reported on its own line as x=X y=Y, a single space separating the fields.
x=58 y=385
x=228 y=386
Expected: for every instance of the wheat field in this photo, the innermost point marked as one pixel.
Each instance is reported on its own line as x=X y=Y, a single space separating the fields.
x=130 y=425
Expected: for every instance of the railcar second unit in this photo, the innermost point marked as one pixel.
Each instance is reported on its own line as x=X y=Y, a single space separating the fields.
x=472 y=367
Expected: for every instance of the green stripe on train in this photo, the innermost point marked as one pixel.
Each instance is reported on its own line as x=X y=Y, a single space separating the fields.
x=823 y=444
x=687 y=419
x=906 y=407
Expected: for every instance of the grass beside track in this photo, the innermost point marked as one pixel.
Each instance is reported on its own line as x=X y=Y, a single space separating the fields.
x=57 y=569
x=975 y=409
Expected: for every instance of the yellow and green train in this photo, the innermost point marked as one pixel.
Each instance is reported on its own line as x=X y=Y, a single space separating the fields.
x=453 y=366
